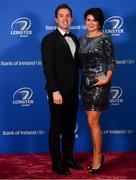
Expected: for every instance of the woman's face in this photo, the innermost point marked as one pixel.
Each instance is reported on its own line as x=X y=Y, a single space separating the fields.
x=91 y=24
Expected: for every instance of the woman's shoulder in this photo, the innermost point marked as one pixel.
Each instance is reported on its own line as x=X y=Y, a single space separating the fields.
x=107 y=40
x=106 y=37
x=82 y=37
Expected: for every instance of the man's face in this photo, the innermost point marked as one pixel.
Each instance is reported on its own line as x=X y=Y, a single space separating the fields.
x=64 y=19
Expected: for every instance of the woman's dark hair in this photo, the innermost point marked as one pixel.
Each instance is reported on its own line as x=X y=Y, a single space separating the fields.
x=97 y=14
x=63 y=6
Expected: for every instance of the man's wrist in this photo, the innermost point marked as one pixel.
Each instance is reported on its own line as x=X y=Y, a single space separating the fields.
x=55 y=92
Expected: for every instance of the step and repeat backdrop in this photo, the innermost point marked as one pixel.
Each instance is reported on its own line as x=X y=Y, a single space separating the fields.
x=24 y=113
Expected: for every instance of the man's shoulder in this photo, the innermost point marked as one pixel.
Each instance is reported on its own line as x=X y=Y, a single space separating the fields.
x=73 y=35
x=50 y=36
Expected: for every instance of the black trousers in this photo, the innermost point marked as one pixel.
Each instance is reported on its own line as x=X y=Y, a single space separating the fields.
x=63 y=123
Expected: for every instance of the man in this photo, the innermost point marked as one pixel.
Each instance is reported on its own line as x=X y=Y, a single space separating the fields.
x=60 y=64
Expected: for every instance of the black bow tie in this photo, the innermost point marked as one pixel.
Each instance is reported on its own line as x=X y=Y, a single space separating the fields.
x=67 y=34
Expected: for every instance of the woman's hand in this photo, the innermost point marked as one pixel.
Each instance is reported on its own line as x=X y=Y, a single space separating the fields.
x=101 y=81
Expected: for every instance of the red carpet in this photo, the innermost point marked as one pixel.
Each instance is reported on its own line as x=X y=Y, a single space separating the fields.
x=38 y=166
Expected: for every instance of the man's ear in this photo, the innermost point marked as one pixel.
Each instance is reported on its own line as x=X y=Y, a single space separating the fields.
x=56 y=20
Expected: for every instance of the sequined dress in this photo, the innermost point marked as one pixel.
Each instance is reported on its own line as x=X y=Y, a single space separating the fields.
x=97 y=56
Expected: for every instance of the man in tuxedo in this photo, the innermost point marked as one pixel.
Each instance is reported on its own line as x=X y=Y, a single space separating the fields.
x=60 y=64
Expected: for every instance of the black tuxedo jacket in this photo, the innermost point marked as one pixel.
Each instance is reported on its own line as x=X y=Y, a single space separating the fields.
x=60 y=68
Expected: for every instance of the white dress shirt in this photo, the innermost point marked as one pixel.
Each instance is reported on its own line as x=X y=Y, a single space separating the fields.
x=70 y=42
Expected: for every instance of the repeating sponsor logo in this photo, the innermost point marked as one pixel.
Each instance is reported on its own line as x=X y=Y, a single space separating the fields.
x=116 y=94
x=23 y=133
x=75 y=27
x=76 y=129
x=125 y=61
x=118 y=131
x=6 y=63
x=113 y=26
x=21 y=27
x=23 y=96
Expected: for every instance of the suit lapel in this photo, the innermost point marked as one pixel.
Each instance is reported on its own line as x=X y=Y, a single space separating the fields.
x=65 y=42
x=62 y=38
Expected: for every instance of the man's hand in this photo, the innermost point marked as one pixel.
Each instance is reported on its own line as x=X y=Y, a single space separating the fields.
x=57 y=98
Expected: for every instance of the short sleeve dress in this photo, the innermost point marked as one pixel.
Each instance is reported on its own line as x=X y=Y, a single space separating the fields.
x=97 y=56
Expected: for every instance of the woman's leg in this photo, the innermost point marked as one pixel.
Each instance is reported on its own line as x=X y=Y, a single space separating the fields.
x=94 y=124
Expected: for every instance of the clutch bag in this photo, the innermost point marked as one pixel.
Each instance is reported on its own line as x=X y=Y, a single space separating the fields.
x=90 y=81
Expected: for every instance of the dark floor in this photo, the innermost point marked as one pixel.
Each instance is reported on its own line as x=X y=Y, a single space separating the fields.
x=38 y=166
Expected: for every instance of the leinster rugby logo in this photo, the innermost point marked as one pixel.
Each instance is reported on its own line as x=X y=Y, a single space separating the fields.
x=21 y=27
x=23 y=97
x=116 y=94
x=113 y=26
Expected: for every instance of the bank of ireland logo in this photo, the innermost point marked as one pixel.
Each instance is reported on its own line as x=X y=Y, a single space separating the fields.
x=23 y=96
x=116 y=95
x=21 y=27
x=113 y=26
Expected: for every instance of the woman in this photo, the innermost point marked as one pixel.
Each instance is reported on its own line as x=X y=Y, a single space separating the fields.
x=97 y=56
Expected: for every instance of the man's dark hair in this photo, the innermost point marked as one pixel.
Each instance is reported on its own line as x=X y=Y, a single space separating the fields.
x=97 y=14
x=63 y=6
